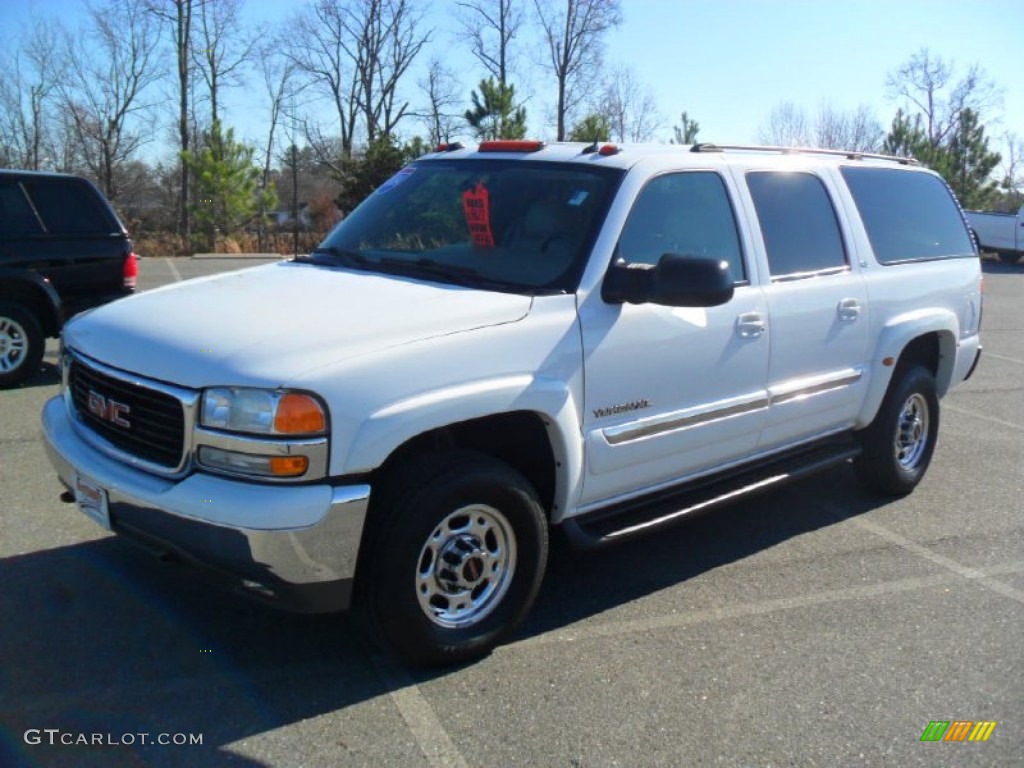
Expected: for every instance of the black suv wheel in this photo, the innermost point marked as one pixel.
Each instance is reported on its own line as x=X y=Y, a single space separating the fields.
x=21 y=344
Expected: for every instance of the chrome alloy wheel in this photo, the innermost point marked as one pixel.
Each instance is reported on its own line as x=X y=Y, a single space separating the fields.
x=13 y=344
x=466 y=566
x=912 y=431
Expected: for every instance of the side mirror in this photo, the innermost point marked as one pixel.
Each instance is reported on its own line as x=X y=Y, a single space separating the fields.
x=675 y=281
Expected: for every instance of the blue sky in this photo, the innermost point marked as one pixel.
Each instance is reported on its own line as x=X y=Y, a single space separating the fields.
x=728 y=62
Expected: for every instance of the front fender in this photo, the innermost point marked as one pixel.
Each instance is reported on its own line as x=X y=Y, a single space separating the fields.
x=895 y=336
x=394 y=424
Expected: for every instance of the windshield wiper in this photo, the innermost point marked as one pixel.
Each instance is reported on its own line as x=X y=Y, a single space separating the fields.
x=332 y=256
x=450 y=273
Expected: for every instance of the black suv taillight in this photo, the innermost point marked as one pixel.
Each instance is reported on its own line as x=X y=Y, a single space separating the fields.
x=131 y=270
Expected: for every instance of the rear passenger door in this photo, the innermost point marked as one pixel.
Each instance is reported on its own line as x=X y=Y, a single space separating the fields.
x=817 y=308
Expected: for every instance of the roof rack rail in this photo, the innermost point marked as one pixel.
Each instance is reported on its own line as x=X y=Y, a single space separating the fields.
x=848 y=154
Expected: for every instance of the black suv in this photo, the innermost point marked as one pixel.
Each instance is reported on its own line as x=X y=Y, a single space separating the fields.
x=62 y=250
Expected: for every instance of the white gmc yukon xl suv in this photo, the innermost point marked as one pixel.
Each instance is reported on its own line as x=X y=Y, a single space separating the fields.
x=516 y=337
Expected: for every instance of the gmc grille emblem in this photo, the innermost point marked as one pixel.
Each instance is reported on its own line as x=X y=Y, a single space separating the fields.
x=107 y=409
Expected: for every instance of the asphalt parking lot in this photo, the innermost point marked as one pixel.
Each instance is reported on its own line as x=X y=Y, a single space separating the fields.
x=816 y=626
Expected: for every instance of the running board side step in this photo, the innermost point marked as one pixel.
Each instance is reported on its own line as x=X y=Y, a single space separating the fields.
x=640 y=516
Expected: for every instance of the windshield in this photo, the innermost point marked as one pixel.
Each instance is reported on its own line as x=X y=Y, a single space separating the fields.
x=504 y=225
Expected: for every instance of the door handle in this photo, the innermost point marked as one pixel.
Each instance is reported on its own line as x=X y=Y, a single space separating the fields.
x=848 y=310
x=750 y=325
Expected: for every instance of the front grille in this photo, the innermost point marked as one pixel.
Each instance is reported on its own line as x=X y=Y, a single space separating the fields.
x=156 y=420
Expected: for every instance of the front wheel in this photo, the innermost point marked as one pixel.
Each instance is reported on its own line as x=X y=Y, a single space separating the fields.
x=896 y=448
x=458 y=550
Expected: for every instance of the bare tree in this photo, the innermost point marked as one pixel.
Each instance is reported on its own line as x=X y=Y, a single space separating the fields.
x=630 y=109
x=490 y=26
x=356 y=55
x=276 y=71
x=924 y=84
x=386 y=39
x=573 y=35
x=221 y=47
x=857 y=130
x=111 y=64
x=177 y=15
x=28 y=81
x=317 y=47
x=442 y=91
x=1012 y=172
x=786 y=127
x=831 y=128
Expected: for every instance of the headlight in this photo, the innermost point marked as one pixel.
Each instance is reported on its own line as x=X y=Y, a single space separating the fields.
x=262 y=412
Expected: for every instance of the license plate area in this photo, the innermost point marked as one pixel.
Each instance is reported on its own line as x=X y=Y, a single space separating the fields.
x=92 y=500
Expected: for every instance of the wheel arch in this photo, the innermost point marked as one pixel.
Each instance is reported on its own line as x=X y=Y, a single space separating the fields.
x=522 y=439
x=35 y=294
x=928 y=339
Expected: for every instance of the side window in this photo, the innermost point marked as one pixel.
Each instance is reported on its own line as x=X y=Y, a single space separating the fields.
x=69 y=208
x=17 y=218
x=798 y=222
x=908 y=216
x=687 y=213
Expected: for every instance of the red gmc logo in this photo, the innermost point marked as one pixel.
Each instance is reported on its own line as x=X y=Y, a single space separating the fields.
x=108 y=410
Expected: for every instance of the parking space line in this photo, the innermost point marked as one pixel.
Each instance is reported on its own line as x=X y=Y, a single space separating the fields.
x=982 y=416
x=741 y=610
x=174 y=269
x=920 y=550
x=1004 y=357
x=431 y=737
x=982 y=578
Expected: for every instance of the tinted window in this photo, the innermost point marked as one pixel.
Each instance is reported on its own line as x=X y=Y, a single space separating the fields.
x=69 y=208
x=685 y=213
x=522 y=224
x=16 y=216
x=798 y=223
x=907 y=215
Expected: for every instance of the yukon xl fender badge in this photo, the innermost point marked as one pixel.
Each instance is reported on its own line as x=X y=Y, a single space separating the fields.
x=107 y=409
x=636 y=405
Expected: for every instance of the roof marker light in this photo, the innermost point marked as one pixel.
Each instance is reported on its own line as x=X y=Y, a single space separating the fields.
x=449 y=147
x=608 y=149
x=509 y=145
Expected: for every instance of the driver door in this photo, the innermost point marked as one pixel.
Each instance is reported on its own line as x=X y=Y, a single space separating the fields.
x=671 y=392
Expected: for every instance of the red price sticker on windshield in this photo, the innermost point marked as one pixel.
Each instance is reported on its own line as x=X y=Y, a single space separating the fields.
x=476 y=207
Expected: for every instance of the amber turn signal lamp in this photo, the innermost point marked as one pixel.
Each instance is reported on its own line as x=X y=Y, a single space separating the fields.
x=299 y=414
x=288 y=466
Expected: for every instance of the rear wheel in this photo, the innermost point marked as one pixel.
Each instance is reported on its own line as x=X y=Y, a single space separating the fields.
x=21 y=344
x=897 y=446
x=457 y=553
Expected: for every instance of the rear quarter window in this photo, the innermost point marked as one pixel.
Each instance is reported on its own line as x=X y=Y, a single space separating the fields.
x=16 y=215
x=908 y=216
x=70 y=207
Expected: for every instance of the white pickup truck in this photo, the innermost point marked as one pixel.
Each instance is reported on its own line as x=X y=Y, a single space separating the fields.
x=516 y=337
x=1001 y=233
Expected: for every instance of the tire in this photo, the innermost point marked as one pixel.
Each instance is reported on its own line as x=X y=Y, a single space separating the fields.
x=1009 y=257
x=457 y=550
x=21 y=344
x=897 y=447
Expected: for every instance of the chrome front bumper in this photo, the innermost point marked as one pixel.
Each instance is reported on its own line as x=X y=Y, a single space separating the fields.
x=294 y=546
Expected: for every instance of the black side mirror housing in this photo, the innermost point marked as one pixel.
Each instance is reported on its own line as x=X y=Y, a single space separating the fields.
x=675 y=281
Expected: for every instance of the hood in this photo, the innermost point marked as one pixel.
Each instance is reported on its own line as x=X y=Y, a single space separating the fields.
x=267 y=325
